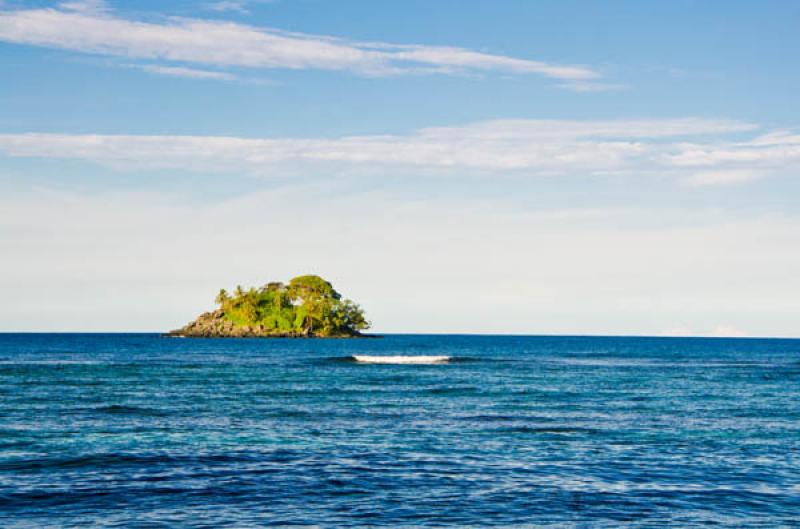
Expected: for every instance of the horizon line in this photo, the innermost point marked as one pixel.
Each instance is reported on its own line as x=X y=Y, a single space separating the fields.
x=381 y=334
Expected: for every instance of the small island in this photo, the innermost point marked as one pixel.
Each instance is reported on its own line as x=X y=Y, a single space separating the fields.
x=308 y=306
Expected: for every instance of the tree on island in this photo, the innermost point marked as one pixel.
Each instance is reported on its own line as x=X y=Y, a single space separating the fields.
x=222 y=297
x=307 y=306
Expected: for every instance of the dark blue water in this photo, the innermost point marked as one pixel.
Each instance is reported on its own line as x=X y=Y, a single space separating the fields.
x=142 y=431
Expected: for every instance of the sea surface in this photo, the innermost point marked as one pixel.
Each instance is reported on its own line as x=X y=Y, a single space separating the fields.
x=134 y=430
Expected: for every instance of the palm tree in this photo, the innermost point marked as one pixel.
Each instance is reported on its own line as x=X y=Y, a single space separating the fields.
x=222 y=297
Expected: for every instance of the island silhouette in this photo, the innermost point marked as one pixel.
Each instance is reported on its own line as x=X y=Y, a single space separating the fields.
x=308 y=306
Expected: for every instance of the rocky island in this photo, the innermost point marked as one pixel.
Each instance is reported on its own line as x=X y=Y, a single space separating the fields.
x=308 y=306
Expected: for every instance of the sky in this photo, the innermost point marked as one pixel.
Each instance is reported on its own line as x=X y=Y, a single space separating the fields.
x=469 y=166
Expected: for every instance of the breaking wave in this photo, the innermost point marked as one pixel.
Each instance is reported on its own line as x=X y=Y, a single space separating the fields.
x=417 y=360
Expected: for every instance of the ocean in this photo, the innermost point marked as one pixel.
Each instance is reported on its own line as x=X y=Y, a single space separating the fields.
x=135 y=430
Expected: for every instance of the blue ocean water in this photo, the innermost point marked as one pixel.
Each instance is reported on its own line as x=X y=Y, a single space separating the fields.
x=142 y=431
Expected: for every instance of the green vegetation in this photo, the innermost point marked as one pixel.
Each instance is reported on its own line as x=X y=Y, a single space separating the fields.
x=307 y=306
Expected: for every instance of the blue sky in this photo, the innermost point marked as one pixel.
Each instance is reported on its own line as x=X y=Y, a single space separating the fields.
x=521 y=167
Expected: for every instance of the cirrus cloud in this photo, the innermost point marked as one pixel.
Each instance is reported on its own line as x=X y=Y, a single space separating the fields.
x=696 y=152
x=89 y=27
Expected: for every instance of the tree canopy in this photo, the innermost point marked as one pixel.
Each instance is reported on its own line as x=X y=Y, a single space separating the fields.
x=308 y=305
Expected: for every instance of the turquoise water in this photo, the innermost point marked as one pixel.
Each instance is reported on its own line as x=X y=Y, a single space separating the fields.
x=142 y=431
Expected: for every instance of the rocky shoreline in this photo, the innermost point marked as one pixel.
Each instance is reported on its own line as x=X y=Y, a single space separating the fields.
x=215 y=325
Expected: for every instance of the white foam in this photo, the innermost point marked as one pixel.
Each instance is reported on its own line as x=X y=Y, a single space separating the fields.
x=401 y=359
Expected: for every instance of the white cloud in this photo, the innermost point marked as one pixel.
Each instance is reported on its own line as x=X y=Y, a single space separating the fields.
x=544 y=130
x=532 y=147
x=191 y=73
x=727 y=163
x=221 y=44
x=235 y=6
x=229 y=5
x=85 y=6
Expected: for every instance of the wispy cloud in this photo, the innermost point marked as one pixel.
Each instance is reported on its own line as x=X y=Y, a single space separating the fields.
x=738 y=162
x=235 y=6
x=180 y=71
x=229 y=5
x=85 y=6
x=692 y=151
x=80 y=27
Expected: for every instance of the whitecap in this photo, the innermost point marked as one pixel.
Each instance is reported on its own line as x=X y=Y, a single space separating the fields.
x=426 y=360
